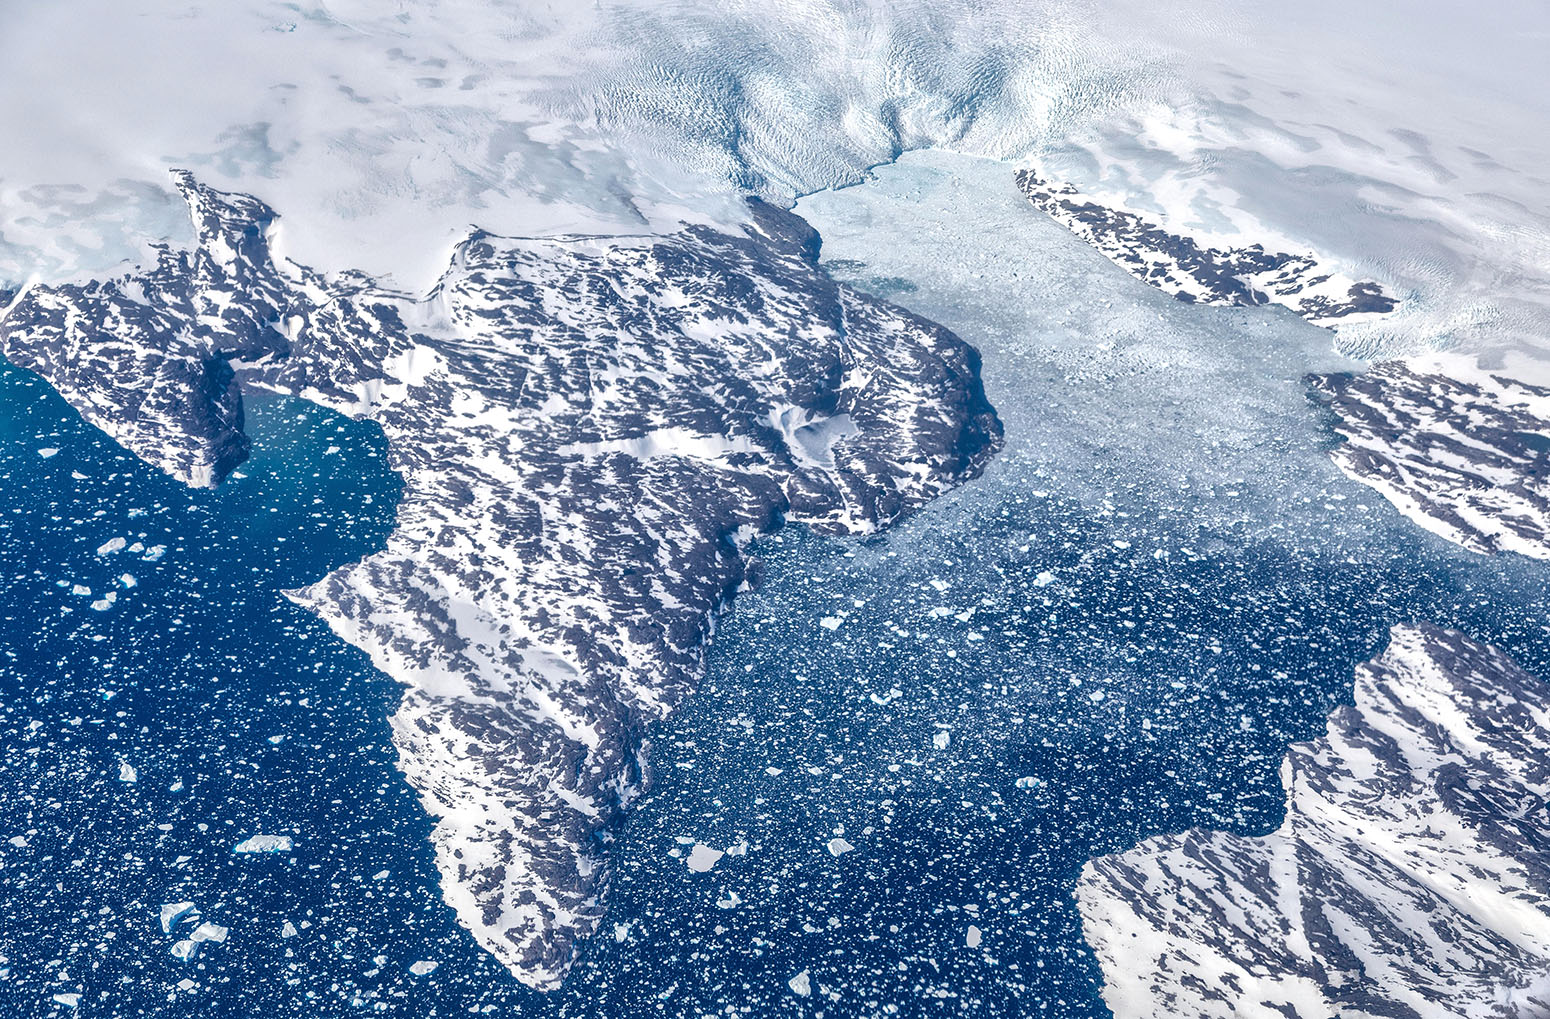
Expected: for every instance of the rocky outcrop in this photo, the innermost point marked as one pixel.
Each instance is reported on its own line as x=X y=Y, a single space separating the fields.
x=589 y=431
x=1409 y=880
x=1179 y=265
x=1466 y=456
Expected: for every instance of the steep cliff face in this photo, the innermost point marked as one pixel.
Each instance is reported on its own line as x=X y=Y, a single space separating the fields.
x=589 y=430
x=1411 y=877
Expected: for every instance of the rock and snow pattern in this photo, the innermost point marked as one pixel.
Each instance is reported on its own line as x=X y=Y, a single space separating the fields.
x=589 y=430
x=1179 y=265
x=1464 y=454
x=1410 y=878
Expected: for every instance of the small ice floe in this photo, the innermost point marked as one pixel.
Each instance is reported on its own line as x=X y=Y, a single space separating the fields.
x=186 y=984
x=210 y=932
x=70 y=999
x=127 y=580
x=80 y=589
x=380 y=875
x=621 y=932
x=1044 y=579
x=174 y=913
x=78 y=476
x=185 y=950
x=424 y=967
x=801 y=985
x=974 y=937
x=941 y=739
x=154 y=553
x=264 y=844
x=111 y=545
x=1027 y=782
x=702 y=858
x=940 y=585
x=839 y=847
x=731 y=901
x=19 y=841
x=45 y=453
x=289 y=930
x=773 y=771
x=831 y=622
x=127 y=773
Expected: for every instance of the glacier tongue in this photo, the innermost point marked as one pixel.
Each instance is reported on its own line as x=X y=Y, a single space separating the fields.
x=1411 y=876
x=588 y=430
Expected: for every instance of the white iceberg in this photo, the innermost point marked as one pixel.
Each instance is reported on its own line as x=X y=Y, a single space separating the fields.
x=174 y=913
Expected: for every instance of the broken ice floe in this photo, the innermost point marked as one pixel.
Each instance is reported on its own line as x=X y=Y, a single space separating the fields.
x=264 y=844
x=174 y=913
x=702 y=858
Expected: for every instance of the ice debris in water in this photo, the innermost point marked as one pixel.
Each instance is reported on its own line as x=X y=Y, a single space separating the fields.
x=127 y=773
x=47 y=452
x=71 y=1000
x=264 y=844
x=174 y=913
x=839 y=847
x=801 y=984
x=702 y=858
x=111 y=545
x=210 y=932
x=974 y=937
x=423 y=968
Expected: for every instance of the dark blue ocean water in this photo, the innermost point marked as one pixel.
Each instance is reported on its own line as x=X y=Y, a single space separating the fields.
x=911 y=743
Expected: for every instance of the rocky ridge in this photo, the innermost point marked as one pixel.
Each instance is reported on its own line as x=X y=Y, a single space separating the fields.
x=1409 y=880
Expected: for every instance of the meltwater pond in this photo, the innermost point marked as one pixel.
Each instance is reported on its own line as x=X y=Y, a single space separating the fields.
x=904 y=752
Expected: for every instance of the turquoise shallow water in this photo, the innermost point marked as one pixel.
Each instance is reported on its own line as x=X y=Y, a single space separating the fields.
x=906 y=747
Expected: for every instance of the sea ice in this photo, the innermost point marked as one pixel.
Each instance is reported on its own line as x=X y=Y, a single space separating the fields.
x=111 y=545
x=174 y=913
x=264 y=844
x=423 y=968
x=702 y=858
x=210 y=932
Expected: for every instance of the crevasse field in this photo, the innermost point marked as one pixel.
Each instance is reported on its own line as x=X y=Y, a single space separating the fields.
x=905 y=747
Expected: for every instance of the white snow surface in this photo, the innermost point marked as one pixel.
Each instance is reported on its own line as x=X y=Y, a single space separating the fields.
x=1408 y=144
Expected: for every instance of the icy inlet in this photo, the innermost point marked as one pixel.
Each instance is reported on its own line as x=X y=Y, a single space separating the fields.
x=589 y=430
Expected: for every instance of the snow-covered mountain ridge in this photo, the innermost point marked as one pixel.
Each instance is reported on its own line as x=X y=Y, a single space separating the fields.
x=589 y=429
x=1410 y=878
